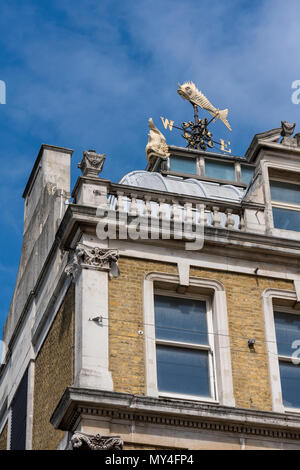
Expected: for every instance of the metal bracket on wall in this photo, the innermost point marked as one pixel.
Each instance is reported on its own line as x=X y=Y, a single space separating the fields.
x=98 y=320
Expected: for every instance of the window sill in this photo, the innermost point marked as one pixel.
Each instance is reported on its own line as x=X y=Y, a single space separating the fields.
x=179 y=396
x=284 y=233
x=295 y=411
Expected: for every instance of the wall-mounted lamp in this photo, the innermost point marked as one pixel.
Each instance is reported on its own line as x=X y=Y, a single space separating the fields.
x=251 y=343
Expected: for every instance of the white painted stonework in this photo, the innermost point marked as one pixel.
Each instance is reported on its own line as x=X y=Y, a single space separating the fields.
x=91 y=339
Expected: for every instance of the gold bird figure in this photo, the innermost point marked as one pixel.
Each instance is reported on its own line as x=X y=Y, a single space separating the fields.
x=189 y=91
x=157 y=146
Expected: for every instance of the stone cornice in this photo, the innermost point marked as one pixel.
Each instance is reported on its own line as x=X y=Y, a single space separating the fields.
x=256 y=146
x=85 y=216
x=171 y=412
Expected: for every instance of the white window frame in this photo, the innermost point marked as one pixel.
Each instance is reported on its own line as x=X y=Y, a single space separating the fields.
x=200 y=347
x=281 y=309
x=274 y=357
x=281 y=204
x=219 y=337
x=266 y=167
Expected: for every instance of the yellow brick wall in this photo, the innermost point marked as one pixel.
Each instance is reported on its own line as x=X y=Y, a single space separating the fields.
x=3 y=438
x=246 y=320
x=53 y=373
x=245 y=316
x=127 y=362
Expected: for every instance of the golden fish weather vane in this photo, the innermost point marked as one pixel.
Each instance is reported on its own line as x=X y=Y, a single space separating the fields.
x=189 y=91
x=196 y=133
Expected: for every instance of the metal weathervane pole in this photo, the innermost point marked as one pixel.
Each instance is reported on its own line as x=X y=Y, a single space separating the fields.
x=195 y=113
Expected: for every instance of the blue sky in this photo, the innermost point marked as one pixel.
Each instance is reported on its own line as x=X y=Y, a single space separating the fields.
x=88 y=74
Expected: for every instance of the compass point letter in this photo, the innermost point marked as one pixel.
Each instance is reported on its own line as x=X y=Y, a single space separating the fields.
x=167 y=123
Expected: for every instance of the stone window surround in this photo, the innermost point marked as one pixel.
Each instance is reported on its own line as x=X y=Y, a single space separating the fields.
x=268 y=310
x=281 y=204
x=222 y=355
x=267 y=191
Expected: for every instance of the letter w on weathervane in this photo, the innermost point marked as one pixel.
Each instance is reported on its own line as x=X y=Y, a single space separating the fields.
x=2 y=92
x=167 y=123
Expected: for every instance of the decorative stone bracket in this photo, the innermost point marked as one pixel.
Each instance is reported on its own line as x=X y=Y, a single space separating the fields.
x=82 y=441
x=85 y=256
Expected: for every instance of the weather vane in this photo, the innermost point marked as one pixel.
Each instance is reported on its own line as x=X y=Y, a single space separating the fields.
x=196 y=133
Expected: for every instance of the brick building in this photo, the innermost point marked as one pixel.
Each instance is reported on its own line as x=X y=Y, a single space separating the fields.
x=150 y=337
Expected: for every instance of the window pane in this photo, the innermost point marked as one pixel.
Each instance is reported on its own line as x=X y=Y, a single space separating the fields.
x=286 y=219
x=287 y=327
x=183 y=165
x=19 y=416
x=220 y=170
x=247 y=173
x=181 y=320
x=285 y=192
x=290 y=384
x=182 y=371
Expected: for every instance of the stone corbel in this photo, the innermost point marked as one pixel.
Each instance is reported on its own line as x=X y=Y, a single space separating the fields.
x=92 y=163
x=82 y=441
x=101 y=259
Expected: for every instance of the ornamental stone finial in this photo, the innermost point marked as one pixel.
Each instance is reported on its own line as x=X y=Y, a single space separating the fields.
x=92 y=163
x=287 y=130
